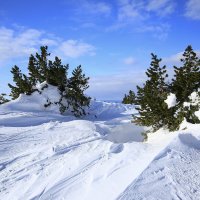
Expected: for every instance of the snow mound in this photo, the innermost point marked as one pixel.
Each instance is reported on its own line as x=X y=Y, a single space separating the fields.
x=52 y=156
x=35 y=102
x=101 y=110
x=173 y=174
x=32 y=109
x=126 y=133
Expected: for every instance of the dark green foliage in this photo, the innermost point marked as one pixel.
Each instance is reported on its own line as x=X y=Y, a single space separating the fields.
x=189 y=114
x=76 y=98
x=41 y=69
x=187 y=80
x=42 y=64
x=23 y=84
x=33 y=68
x=54 y=73
x=187 y=77
x=153 y=111
x=3 y=99
x=130 y=98
x=57 y=74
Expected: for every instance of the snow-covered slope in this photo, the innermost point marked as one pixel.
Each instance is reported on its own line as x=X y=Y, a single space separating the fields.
x=45 y=155
x=173 y=174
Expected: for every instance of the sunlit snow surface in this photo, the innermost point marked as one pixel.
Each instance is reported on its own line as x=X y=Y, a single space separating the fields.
x=44 y=155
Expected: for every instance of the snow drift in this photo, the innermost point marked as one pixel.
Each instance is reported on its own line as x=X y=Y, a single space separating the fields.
x=45 y=155
x=173 y=174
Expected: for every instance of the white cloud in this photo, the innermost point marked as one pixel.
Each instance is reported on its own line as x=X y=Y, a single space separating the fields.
x=158 y=31
x=94 y=8
x=129 y=60
x=141 y=10
x=175 y=58
x=100 y=7
x=193 y=9
x=16 y=43
x=130 y=10
x=74 y=48
x=136 y=15
x=12 y=46
x=161 y=7
x=113 y=87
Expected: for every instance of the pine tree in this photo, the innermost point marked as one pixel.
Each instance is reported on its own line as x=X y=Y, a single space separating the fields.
x=54 y=73
x=41 y=69
x=153 y=111
x=33 y=68
x=187 y=80
x=187 y=77
x=42 y=63
x=130 y=98
x=75 y=96
x=3 y=99
x=57 y=74
x=22 y=83
x=39 y=66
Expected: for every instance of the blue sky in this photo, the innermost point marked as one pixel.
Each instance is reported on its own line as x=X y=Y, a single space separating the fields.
x=112 y=40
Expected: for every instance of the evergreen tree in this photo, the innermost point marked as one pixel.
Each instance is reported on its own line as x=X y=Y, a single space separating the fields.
x=54 y=73
x=130 y=98
x=22 y=83
x=41 y=69
x=153 y=111
x=3 y=99
x=38 y=66
x=187 y=77
x=42 y=64
x=74 y=93
x=57 y=74
x=187 y=80
x=33 y=68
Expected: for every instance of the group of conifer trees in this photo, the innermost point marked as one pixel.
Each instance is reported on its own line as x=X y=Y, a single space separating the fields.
x=150 y=98
x=41 y=69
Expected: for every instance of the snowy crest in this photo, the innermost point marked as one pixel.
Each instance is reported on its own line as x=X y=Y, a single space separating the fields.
x=44 y=95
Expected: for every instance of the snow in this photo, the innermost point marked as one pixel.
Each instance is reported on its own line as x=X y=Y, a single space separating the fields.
x=171 y=100
x=45 y=155
x=174 y=172
x=194 y=99
x=36 y=101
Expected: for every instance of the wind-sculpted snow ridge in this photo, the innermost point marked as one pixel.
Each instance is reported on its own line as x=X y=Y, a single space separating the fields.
x=173 y=174
x=47 y=156
x=44 y=155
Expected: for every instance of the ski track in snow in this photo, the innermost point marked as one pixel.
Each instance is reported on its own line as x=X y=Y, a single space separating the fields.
x=44 y=155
